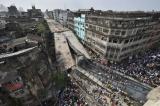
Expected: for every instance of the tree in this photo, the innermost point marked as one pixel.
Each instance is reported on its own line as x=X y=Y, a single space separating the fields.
x=60 y=79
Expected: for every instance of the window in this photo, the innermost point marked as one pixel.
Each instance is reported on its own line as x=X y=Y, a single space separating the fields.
x=129 y=32
x=117 y=49
x=114 y=41
x=112 y=32
x=94 y=27
x=117 y=32
x=97 y=28
x=123 y=32
x=110 y=40
x=87 y=25
x=139 y=31
x=107 y=23
x=120 y=40
x=94 y=42
x=111 y=56
x=105 y=30
x=113 y=24
x=90 y=26
x=126 y=41
x=124 y=49
x=100 y=29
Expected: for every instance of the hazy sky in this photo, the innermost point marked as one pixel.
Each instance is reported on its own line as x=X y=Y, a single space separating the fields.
x=120 y=5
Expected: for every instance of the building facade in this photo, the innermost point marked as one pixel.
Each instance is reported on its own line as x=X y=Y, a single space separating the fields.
x=77 y=19
x=61 y=16
x=35 y=13
x=49 y=14
x=13 y=12
x=79 y=26
x=118 y=35
x=70 y=20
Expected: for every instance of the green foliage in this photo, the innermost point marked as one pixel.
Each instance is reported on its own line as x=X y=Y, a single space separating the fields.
x=60 y=80
x=42 y=27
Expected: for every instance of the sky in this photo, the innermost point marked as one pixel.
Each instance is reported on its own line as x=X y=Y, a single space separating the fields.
x=117 y=5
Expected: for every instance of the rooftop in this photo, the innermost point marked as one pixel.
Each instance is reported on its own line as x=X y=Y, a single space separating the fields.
x=125 y=14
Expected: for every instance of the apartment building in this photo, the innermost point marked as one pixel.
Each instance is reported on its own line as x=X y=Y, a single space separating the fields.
x=119 y=35
x=13 y=11
x=76 y=21
x=61 y=16
x=49 y=14
x=35 y=13
x=70 y=20
x=79 y=26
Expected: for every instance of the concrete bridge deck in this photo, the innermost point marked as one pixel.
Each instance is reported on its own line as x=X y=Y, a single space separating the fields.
x=62 y=36
x=64 y=57
x=75 y=43
x=63 y=54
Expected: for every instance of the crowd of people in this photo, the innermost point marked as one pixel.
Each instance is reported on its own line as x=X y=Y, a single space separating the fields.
x=115 y=80
x=144 y=67
x=71 y=96
x=93 y=90
x=101 y=95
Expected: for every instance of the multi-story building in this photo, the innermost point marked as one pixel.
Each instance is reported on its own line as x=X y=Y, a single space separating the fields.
x=76 y=21
x=24 y=14
x=35 y=13
x=61 y=16
x=13 y=12
x=49 y=14
x=118 y=35
x=79 y=26
x=56 y=14
x=70 y=20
